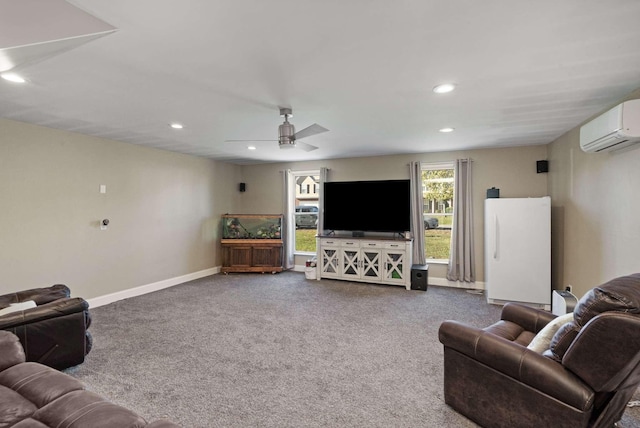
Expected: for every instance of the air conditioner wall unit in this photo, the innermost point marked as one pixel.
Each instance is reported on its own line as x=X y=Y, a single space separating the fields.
x=615 y=129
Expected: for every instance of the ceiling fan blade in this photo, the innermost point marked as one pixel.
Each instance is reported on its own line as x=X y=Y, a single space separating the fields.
x=246 y=141
x=309 y=131
x=304 y=146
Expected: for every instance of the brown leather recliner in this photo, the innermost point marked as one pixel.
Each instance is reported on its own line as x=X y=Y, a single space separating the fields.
x=54 y=332
x=584 y=379
x=35 y=396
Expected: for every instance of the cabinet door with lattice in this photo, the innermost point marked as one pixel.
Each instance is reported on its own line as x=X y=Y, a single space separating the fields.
x=396 y=268
x=370 y=265
x=329 y=259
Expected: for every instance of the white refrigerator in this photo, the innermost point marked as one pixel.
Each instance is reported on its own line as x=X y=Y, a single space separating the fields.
x=517 y=250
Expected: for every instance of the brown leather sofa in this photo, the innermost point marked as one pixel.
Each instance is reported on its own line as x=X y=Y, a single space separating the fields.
x=55 y=331
x=36 y=396
x=585 y=377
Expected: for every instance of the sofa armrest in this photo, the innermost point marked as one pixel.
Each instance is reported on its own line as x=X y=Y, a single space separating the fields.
x=48 y=310
x=517 y=362
x=38 y=295
x=11 y=352
x=531 y=319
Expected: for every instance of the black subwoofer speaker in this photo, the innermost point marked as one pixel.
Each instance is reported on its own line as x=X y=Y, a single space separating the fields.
x=419 y=277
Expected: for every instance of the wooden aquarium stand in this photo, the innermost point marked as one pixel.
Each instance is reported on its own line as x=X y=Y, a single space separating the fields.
x=251 y=255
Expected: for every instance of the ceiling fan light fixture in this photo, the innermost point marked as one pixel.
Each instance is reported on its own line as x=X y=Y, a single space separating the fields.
x=13 y=77
x=286 y=132
x=446 y=130
x=444 y=88
x=176 y=125
x=289 y=145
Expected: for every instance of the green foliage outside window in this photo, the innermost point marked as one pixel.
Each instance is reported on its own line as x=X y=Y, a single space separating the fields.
x=438 y=186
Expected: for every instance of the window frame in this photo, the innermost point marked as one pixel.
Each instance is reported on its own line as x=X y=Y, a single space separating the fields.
x=293 y=189
x=432 y=166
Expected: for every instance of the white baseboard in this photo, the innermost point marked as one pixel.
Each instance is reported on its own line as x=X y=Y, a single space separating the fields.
x=444 y=282
x=149 y=288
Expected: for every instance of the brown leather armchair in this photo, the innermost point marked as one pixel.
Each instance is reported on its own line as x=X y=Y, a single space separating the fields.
x=35 y=396
x=54 y=332
x=584 y=378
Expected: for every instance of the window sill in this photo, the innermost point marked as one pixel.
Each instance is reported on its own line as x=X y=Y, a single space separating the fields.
x=438 y=261
x=304 y=253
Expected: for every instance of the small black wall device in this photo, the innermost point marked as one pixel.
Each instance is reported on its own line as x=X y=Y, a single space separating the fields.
x=243 y=187
x=542 y=166
x=493 y=193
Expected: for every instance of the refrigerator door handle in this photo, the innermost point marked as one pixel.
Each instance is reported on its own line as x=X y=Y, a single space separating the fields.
x=495 y=238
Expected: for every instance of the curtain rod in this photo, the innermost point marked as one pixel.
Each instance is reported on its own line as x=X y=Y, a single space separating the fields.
x=445 y=162
x=302 y=171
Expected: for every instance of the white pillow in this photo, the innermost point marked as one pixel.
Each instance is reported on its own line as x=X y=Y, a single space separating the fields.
x=15 y=307
x=541 y=341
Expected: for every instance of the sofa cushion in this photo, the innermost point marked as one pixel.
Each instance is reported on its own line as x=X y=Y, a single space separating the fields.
x=37 y=383
x=620 y=294
x=14 y=407
x=542 y=340
x=85 y=409
x=561 y=341
x=29 y=423
x=510 y=331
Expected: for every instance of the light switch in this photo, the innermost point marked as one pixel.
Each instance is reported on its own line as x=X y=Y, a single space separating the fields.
x=103 y=188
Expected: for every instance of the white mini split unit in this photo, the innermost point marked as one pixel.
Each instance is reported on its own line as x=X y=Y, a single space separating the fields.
x=615 y=129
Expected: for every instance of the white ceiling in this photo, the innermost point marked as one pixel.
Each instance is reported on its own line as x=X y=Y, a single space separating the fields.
x=527 y=71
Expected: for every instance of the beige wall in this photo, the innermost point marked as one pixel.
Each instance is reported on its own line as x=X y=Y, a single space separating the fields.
x=164 y=210
x=165 y=207
x=512 y=170
x=595 y=206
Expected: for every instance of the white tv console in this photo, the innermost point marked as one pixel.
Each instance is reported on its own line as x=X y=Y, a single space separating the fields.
x=375 y=260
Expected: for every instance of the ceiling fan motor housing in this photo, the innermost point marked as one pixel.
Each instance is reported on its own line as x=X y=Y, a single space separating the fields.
x=285 y=135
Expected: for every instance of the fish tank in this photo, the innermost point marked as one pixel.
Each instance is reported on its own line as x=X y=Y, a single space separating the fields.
x=252 y=226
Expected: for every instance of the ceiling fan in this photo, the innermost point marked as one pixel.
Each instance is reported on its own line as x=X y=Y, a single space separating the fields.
x=287 y=135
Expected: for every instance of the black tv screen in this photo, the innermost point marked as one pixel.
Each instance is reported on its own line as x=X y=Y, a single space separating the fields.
x=374 y=206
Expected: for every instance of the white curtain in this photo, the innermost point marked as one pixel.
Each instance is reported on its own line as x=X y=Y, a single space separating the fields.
x=323 y=178
x=462 y=258
x=417 y=207
x=288 y=226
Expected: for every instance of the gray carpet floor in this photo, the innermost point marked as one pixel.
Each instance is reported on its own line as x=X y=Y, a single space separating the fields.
x=252 y=350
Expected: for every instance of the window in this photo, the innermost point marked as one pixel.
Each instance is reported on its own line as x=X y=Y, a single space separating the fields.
x=306 y=210
x=437 y=189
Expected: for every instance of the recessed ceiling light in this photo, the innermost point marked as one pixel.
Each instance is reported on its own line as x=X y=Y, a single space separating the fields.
x=176 y=126
x=444 y=88
x=446 y=130
x=251 y=147
x=13 y=77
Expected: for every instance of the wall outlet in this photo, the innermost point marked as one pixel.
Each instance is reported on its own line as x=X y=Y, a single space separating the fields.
x=569 y=288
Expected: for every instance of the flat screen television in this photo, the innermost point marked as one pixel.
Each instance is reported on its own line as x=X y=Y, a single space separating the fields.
x=368 y=206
